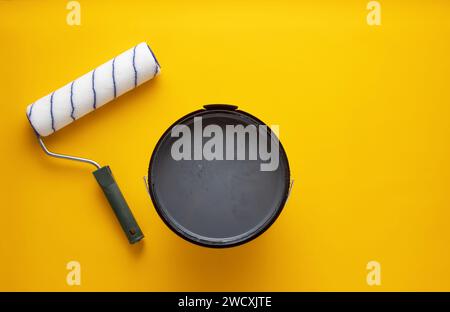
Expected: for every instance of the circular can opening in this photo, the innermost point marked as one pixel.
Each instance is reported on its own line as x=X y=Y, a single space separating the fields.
x=219 y=177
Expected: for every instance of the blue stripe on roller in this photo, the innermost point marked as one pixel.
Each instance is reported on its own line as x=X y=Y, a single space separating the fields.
x=114 y=77
x=134 y=66
x=93 y=89
x=154 y=57
x=71 y=101
x=34 y=129
x=29 y=120
x=51 y=112
x=31 y=111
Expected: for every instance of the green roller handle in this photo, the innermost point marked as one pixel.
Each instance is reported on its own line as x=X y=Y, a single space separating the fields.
x=115 y=198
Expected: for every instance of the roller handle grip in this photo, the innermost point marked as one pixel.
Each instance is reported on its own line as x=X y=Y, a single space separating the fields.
x=115 y=198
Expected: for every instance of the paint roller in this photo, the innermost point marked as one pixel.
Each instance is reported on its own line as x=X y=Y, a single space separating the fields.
x=84 y=95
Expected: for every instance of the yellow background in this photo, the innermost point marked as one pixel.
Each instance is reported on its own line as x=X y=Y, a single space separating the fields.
x=363 y=114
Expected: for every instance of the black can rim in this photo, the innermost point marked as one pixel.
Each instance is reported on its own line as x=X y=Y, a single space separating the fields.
x=232 y=109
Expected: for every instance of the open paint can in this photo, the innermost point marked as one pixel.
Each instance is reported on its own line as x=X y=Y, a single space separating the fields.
x=219 y=177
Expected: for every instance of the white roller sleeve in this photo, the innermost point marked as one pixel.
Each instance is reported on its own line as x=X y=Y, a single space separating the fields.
x=101 y=85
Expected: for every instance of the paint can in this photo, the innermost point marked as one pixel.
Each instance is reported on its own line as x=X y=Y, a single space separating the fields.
x=213 y=183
